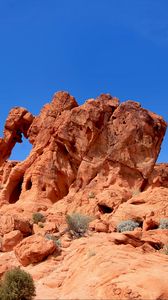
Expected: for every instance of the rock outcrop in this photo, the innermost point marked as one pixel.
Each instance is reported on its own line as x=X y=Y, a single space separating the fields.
x=73 y=146
x=10 y=240
x=97 y=159
x=17 y=123
x=96 y=268
x=34 y=249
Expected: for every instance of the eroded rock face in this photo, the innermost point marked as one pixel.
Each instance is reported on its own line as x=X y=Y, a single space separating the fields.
x=74 y=146
x=17 y=123
x=10 y=222
x=34 y=249
x=10 y=240
x=97 y=268
x=159 y=176
x=97 y=159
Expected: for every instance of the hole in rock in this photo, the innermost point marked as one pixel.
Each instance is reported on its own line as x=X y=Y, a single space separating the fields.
x=104 y=209
x=140 y=222
x=153 y=226
x=21 y=150
x=28 y=184
x=62 y=147
x=100 y=122
x=16 y=191
x=138 y=202
x=155 y=245
x=43 y=188
x=144 y=184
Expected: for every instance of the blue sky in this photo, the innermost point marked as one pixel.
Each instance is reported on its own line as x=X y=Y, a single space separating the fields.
x=86 y=47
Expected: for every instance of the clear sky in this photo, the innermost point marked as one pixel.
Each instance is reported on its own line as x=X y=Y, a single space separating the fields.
x=86 y=47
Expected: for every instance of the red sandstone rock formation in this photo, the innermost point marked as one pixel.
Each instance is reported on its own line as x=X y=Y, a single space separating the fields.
x=98 y=159
x=10 y=240
x=17 y=123
x=34 y=249
x=96 y=268
x=75 y=145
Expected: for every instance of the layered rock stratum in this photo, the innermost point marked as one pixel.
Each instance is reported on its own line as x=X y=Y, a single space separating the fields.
x=98 y=159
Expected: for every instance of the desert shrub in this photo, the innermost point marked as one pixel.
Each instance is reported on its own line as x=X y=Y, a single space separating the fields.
x=17 y=285
x=91 y=195
x=38 y=217
x=77 y=224
x=165 y=249
x=163 y=224
x=53 y=238
x=128 y=225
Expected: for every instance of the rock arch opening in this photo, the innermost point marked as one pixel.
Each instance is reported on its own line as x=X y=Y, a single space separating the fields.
x=21 y=150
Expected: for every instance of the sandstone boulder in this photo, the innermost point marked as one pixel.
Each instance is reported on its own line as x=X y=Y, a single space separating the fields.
x=10 y=240
x=23 y=224
x=34 y=249
x=6 y=224
x=98 y=226
x=10 y=222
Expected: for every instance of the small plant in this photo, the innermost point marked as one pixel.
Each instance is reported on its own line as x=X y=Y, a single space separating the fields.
x=77 y=224
x=91 y=195
x=165 y=249
x=53 y=238
x=38 y=217
x=17 y=285
x=128 y=225
x=163 y=224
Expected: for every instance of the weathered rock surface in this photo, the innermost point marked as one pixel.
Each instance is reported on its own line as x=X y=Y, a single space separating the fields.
x=10 y=240
x=98 y=159
x=17 y=123
x=118 y=143
x=8 y=261
x=95 y=268
x=34 y=249
x=10 y=222
x=159 y=176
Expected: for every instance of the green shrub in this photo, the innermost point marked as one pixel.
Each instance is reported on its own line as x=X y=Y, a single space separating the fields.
x=38 y=217
x=77 y=224
x=17 y=285
x=163 y=224
x=128 y=225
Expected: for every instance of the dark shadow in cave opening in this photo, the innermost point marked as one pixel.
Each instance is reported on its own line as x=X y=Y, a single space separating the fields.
x=28 y=184
x=16 y=191
x=104 y=209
